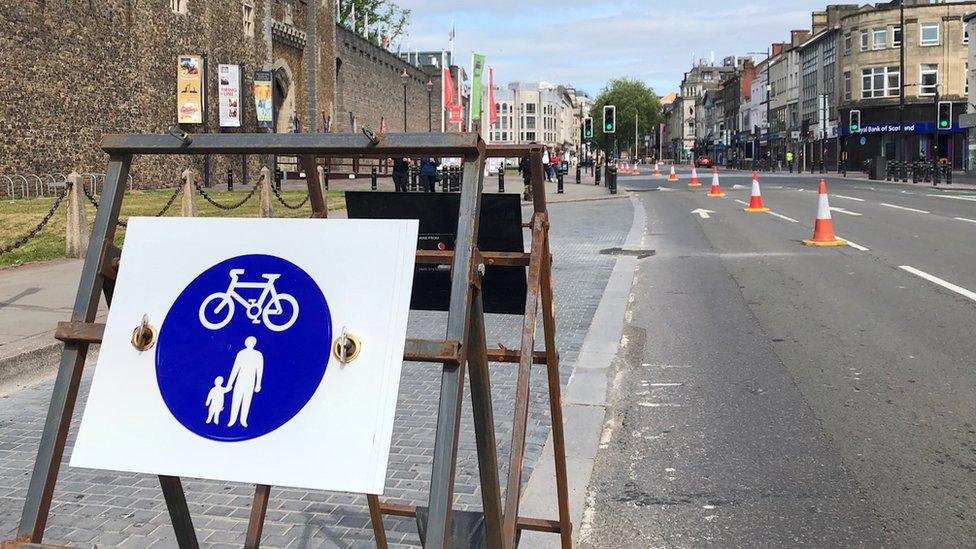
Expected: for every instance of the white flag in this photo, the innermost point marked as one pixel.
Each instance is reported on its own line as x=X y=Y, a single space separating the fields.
x=366 y=25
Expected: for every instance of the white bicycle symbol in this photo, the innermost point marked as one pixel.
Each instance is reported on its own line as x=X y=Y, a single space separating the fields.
x=268 y=307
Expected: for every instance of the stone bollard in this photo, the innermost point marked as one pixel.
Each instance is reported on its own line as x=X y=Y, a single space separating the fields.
x=266 y=209
x=188 y=204
x=76 y=238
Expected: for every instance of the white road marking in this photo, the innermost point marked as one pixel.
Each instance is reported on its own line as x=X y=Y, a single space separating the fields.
x=953 y=197
x=936 y=280
x=854 y=198
x=854 y=245
x=843 y=211
x=666 y=384
x=781 y=216
x=744 y=203
x=964 y=219
x=703 y=213
x=904 y=208
x=660 y=405
x=737 y=186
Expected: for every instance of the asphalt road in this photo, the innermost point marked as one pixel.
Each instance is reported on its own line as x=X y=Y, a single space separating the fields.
x=771 y=394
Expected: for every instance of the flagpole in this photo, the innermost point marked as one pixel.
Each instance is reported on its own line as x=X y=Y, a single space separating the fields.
x=471 y=99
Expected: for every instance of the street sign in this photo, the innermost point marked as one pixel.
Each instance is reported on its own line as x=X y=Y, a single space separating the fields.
x=244 y=382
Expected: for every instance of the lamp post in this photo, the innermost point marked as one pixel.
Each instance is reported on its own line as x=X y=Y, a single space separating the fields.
x=430 y=105
x=405 y=77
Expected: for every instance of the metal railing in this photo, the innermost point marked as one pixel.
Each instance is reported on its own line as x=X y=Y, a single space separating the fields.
x=23 y=186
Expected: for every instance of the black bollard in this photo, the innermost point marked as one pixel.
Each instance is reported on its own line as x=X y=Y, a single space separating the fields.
x=230 y=179
x=372 y=178
x=414 y=177
x=596 y=176
x=612 y=180
x=445 y=175
x=501 y=179
x=559 y=183
x=579 y=174
x=325 y=176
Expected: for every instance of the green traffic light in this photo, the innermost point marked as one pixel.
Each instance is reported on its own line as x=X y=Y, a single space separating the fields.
x=854 y=127
x=943 y=123
x=609 y=126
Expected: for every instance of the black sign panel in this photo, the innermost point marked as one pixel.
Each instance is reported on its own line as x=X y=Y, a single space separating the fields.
x=503 y=288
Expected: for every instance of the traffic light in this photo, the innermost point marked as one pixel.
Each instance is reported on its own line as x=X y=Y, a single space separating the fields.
x=855 y=118
x=587 y=128
x=945 y=115
x=609 y=119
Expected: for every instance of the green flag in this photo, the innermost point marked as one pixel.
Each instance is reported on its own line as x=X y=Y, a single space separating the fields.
x=477 y=68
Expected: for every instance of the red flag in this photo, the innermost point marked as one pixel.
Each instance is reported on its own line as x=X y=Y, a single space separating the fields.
x=448 y=87
x=492 y=113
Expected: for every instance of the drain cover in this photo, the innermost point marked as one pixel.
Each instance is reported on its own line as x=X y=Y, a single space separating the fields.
x=639 y=254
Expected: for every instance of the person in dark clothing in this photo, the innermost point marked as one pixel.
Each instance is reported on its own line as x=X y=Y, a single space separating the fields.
x=525 y=168
x=428 y=173
x=401 y=174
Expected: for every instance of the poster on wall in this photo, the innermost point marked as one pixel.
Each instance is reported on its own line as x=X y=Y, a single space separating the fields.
x=263 y=102
x=229 y=95
x=189 y=89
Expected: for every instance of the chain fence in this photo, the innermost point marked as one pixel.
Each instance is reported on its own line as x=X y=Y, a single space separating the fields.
x=233 y=206
x=277 y=194
x=37 y=228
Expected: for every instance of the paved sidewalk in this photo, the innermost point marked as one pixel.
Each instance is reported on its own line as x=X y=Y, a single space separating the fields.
x=107 y=508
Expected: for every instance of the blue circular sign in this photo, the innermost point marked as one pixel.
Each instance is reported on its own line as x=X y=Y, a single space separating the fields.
x=243 y=348
x=863 y=140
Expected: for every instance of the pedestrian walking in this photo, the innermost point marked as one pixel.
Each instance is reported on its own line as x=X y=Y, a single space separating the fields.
x=401 y=174
x=789 y=160
x=554 y=164
x=546 y=155
x=428 y=173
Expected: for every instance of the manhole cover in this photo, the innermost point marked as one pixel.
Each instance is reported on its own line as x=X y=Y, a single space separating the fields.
x=639 y=254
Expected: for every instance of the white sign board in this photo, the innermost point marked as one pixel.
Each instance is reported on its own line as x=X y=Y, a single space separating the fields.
x=229 y=95
x=241 y=384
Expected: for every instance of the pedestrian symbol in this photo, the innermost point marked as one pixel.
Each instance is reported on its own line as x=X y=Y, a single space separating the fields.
x=254 y=330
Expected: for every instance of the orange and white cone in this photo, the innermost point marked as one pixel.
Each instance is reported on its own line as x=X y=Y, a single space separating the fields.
x=672 y=176
x=755 y=201
x=657 y=169
x=636 y=170
x=823 y=227
x=694 y=177
x=716 y=191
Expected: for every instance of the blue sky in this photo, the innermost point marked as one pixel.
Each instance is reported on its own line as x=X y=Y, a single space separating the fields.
x=587 y=43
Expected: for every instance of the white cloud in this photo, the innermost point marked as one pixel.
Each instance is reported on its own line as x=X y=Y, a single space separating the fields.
x=587 y=43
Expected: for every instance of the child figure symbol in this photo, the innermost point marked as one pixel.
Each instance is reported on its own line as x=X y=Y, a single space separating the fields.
x=245 y=381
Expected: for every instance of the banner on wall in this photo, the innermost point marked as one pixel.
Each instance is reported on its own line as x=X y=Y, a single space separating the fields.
x=229 y=95
x=189 y=89
x=263 y=102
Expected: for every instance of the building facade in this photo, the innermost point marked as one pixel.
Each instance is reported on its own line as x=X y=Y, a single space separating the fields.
x=935 y=43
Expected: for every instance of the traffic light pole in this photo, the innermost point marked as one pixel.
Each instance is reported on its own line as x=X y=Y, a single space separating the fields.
x=935 y=139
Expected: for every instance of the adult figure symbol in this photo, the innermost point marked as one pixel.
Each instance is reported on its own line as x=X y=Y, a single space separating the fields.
x=245 y=377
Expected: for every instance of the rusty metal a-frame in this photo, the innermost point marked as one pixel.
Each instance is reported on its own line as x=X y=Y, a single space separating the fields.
x=464 y=343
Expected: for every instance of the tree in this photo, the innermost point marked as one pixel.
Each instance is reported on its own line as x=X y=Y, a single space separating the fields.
x=385 y=18
x=631 y=97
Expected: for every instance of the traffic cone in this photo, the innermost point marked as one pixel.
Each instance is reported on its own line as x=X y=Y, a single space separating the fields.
x=694 y=177
x=823 y=227
x=636 y=170
x=672 y=176
x=657 y=169
x=716 y=191
x=755 y=201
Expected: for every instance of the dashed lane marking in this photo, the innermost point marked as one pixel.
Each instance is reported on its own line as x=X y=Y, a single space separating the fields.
x=666 y=384
x=843 y=211
x=855 y=245
x=854 y=198
x=781 y=216
x=965 y=219
x=936 y=280
x=953 y=197
x=743 y=202
x=896 y=206
x=660 y=405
